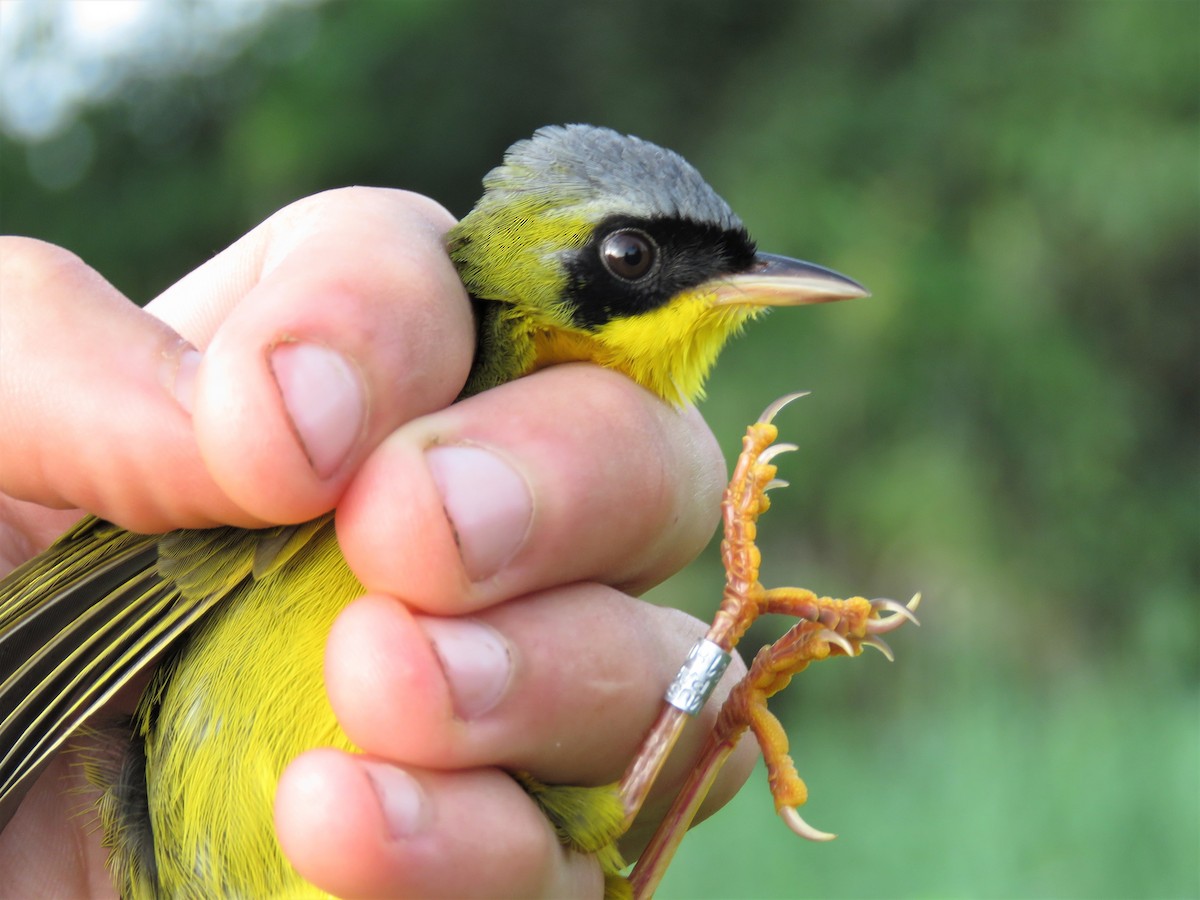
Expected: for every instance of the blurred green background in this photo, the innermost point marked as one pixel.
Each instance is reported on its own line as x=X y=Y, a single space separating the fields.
x=1009 y=425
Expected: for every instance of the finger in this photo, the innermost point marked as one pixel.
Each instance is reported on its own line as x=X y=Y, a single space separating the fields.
x=197 y=305
x=563 y=684
x=322 y=330
x=342 y=319
x=574 y=473
x=26 y=529
x=358 y=827
x=89 y=410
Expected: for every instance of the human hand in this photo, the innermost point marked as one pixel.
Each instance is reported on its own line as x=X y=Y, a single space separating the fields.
x=613 y=488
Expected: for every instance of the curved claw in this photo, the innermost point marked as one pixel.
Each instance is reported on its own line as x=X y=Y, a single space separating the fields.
x=773 y=410
x=775 y=483
x=879 y=644
x=891 y=623
x=774 y=450
x=802 y=828
x=832 y=637
x=893 y=606
x=900 y=615
x=914 y=602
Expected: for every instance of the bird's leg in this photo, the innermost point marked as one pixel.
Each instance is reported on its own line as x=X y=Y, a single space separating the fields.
x=827 y=627
x=744 y=501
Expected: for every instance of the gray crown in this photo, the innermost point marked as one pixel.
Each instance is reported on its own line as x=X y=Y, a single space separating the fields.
x=596 y=165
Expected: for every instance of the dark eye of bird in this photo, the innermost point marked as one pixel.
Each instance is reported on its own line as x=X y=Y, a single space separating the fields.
x=633 y=264
x=628 y=254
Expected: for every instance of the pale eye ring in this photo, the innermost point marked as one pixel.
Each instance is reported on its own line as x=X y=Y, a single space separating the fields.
x=629 y=254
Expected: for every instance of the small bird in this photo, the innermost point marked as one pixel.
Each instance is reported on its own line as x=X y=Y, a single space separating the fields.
x=586 y=245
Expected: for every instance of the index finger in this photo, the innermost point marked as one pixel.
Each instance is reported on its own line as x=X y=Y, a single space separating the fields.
x=180 y=417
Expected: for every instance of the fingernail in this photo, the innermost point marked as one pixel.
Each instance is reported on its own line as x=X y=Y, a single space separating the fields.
x=489 y=505
x=401 y=799
x=476 y=661
x=325 y=400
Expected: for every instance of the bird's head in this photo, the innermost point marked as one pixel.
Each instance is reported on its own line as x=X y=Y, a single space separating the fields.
x=590 y=245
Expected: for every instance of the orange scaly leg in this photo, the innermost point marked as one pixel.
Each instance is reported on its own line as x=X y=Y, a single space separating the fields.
x=744 y=501
x=827 y=627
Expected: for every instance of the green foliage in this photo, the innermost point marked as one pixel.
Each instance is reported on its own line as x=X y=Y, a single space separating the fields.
x=1009 y=425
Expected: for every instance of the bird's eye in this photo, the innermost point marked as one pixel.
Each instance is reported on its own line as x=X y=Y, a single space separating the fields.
x=628 y=254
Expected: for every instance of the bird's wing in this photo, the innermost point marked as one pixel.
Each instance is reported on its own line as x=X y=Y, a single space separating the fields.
x=80 y=620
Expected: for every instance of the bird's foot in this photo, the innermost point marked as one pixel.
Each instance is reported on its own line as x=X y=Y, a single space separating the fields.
x=827 y=627
x=745 y=499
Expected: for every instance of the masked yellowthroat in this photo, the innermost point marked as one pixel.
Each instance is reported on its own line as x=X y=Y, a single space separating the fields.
x=586 y=245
